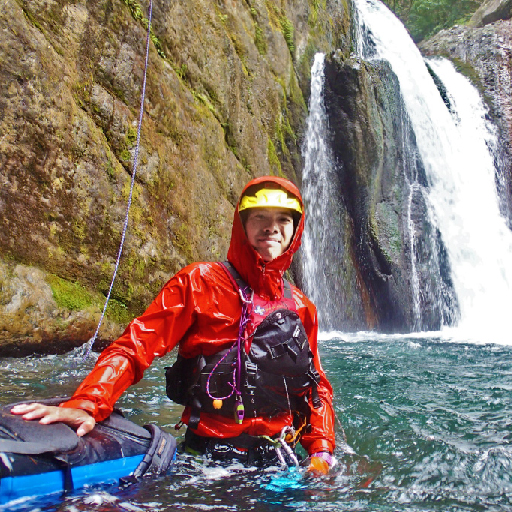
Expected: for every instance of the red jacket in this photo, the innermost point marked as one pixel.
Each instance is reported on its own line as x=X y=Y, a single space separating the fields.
x=199 y=309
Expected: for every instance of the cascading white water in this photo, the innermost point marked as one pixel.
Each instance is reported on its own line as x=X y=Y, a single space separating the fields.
x=457 y=153
x=316 y=190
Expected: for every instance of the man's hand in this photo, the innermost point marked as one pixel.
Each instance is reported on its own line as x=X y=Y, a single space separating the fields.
x=79 y=419
x=320 y=464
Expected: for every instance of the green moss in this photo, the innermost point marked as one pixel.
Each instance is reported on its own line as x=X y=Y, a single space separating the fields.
x=279 y=20
x=131 y=136
x=82 y=94
x=295 y=95
x=273 y=159
x=240 y=51
x=117 y=92
x=125 y=155
x=273 y=13
x=118 y=312
x=313 y=12
x=138 y=15
x=74 y=297
x=259 y=40
x=306 y=61
x=136 y=267
x=181 y=71
x=135 y=9
x=182 y=241
x=157 y=43
x=109 y=169
x=129 y=141
x=471 y=73
x=136 y=193
x=59 y=50
x=6 y=276
x=206 y=102
x=280 y=130
x=288 y=33
x=79 y=229
x=212 y=93
x=69 y=295
x=32 y=19
x=283 y=132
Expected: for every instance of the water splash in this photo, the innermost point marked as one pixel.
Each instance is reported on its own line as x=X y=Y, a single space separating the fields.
x=456 y=148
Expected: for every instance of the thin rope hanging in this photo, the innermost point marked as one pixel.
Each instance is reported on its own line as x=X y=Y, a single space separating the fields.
x=90 y=343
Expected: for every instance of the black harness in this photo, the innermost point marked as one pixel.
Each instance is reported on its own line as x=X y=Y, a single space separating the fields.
x=277 y=374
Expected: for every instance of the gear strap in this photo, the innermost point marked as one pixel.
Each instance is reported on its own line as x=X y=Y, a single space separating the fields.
x=240 y=284
x=160 y=454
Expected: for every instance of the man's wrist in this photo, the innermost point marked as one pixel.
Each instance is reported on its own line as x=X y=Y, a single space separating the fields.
x=83 y=405
x=325 y=456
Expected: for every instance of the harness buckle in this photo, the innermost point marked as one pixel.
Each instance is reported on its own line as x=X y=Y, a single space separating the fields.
x=251 y=367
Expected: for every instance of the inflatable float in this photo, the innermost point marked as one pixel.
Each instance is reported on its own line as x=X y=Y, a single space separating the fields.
x=37 y=460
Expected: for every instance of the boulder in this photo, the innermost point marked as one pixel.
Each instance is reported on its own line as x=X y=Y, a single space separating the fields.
x=491 y=11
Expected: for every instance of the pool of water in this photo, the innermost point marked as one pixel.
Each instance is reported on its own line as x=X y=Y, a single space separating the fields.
x=430 y=422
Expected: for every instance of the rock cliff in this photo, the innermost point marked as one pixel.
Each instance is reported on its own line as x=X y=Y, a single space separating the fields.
x=226 y=100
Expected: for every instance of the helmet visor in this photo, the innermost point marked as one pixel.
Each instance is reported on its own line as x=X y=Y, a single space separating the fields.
x=270 y=198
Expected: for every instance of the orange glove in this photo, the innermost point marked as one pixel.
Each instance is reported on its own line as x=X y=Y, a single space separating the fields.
x=320 y=463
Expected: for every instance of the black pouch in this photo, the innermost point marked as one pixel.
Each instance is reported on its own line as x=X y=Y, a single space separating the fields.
x=181 y=377
x=280 y=345
x=283 y=363
x=218 y=372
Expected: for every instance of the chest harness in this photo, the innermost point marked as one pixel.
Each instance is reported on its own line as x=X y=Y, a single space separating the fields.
x=267 y=370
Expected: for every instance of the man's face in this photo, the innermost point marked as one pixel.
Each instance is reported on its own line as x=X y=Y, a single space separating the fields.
x=269 y=231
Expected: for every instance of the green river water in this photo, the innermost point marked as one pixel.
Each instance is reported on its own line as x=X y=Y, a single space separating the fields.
x=429 y=421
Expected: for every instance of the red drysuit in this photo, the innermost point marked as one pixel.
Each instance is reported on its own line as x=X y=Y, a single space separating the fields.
x=199 y=309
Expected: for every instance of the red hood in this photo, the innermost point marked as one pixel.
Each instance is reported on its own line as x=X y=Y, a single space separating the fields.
x=263 y=277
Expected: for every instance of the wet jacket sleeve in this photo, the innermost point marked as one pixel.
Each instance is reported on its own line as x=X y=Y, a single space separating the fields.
x=321 y=436
x=151 y=335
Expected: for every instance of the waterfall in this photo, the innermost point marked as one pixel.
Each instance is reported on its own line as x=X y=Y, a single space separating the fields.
x=471 y=244
x=318 y=179
x=456 y=148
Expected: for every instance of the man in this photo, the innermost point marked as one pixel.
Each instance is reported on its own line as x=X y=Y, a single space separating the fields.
x=201 y=308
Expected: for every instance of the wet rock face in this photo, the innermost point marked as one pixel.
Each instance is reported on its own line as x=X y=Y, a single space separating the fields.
x=31 y=321
x=359 y=100
x=224 y=103
x=381 y=181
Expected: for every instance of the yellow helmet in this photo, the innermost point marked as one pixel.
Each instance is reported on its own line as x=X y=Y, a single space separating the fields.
x=270 y=198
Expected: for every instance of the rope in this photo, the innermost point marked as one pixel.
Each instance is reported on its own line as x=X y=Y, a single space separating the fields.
x=90 y=343
x=233 y=385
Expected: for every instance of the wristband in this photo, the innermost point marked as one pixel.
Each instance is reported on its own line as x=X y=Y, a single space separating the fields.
x=326 y=456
